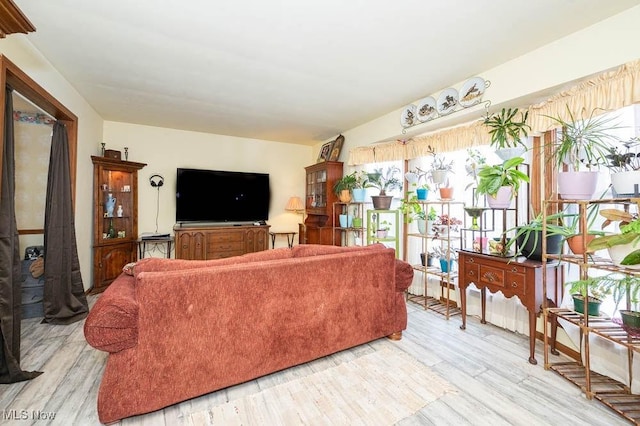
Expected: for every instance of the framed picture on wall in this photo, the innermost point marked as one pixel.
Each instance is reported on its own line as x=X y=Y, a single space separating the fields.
x=325 y=152
x=336 y=148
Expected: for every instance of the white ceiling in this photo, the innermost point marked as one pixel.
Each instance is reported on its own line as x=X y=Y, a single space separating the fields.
x=286 y=70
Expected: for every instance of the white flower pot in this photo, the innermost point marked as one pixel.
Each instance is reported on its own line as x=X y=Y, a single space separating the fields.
x=422 y=226
x=624 y=183
x=619 y=252
x=577 y=185
x=502 y=199
x=508 y=153
x=439 y=176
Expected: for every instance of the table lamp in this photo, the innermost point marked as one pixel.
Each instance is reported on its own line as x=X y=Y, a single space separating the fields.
x=295 y=205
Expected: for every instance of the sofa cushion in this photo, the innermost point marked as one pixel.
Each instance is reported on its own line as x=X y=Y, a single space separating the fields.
x=155 y=264
x=112 y=323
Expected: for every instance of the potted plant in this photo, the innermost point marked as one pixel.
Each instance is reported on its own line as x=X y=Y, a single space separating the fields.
x=596 y=289
x=414 y=178
x=383 y=229
x=440 y=167
x=359 y=191
x=625 y=168
x=528 y=237
x=445 y=223
x=384 y=181
x=426 y=259
x=474 y=162
x=578 y=241
x=432 y=216
x=501 y=181
x=412 y=209
x=582 y=142
x=344 y=186
x=623 y=247
x=446 y=256
x=507 y=130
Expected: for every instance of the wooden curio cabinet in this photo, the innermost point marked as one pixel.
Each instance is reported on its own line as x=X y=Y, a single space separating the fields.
x=115 y=218
x=318 y=227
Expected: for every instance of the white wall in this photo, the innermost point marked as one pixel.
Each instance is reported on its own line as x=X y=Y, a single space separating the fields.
x=164 y=150
x=19 y=50
x=604 y=45
x=524 y=80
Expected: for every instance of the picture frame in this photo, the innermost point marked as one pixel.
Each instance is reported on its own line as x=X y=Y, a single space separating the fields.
x=325 y=152
x=336 y=148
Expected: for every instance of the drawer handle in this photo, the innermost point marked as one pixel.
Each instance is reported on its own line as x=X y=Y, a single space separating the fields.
x=514 y=284
x=490 y=276
x=514 y=269
x=471 y=273
x=469 y=260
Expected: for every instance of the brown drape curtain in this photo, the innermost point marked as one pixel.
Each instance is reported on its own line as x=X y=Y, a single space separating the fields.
x=10 y=276
x=64 y=299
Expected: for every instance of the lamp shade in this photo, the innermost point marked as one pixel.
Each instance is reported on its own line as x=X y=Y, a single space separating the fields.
x=294 y=204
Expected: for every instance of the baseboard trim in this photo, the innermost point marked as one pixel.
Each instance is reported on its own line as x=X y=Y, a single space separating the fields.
x=570 y=352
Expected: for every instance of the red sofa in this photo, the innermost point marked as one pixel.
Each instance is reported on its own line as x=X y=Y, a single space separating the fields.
x=178 y=329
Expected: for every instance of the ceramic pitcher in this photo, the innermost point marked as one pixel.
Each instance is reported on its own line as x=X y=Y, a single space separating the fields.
x=110 y=204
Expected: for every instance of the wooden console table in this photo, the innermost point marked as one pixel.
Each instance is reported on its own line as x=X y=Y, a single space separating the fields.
x=518 y=277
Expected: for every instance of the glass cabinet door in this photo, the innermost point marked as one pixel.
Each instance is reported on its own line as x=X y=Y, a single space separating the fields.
x=116 y=204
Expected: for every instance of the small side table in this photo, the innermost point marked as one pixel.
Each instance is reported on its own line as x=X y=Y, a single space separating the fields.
x=142 y=245
x=290 y=237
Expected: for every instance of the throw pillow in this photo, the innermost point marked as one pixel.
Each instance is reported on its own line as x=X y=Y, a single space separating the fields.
x=37 y=267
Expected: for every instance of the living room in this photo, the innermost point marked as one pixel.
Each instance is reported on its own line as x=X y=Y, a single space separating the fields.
x=521 y=81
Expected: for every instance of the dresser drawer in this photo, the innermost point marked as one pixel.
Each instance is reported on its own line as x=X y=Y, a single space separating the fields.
x=516 y=283
x=491 y=276
x=217 y=246
x=224 y=237
x=223 y=254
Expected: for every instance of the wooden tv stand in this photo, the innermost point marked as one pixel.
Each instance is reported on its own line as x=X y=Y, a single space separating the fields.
x=216 y=242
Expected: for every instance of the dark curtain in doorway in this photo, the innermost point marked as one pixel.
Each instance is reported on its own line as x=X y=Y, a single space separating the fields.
x=10 y=276
x=64 y=299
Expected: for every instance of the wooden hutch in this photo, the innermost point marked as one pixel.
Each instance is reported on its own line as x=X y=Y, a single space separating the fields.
x=318 y=227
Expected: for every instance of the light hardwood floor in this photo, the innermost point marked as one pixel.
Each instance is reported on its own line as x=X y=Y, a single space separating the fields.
x=497 y=386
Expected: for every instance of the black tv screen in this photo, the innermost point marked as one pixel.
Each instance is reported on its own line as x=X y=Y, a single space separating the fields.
x=221 y=196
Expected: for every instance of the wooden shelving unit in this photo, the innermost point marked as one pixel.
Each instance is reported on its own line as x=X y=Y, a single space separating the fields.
x=442 y=304
x=612 y=393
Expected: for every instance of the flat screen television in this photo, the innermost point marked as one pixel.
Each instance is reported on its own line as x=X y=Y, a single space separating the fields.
x=216 y=196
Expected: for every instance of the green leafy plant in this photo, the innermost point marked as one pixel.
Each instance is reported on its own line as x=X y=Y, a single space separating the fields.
x=507 y=130
x=533 y=229
x=438 y=161
x=624 y=161
x=583 y=140
x=474 y=162
x=629 y=234
x=384 y=226
x=412 y=209
x=615 y=285
x=384 y=180
x=432 y=215
x=347 y=182
x=492 y=178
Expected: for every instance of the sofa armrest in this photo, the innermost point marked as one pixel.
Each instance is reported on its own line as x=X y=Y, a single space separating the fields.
x=404 y=275
x=112 y=323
